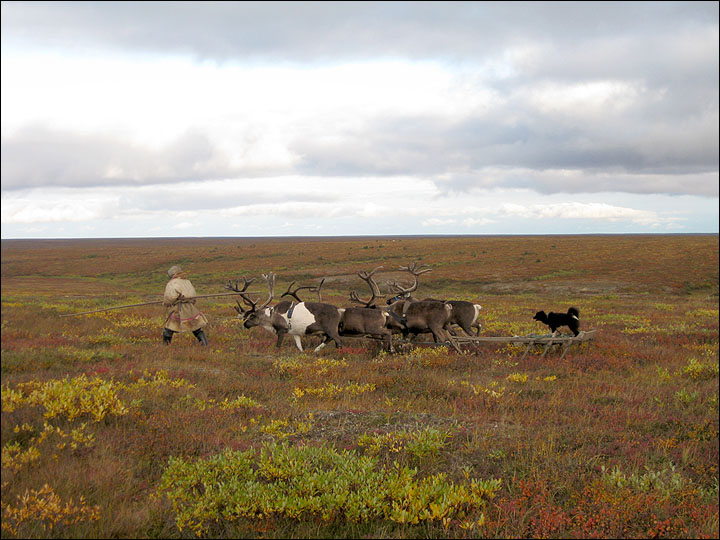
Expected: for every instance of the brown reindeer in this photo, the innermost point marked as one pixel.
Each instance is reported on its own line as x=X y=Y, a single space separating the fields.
x=412 y=316
x=464 y=314
x=367 y=320
x=290 y=317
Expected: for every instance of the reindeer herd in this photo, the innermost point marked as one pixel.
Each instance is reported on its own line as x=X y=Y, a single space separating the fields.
x=403 y=314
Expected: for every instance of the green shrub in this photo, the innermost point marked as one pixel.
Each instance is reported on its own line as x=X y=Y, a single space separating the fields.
x=310 y=483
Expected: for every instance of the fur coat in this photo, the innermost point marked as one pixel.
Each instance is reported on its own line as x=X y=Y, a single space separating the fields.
x=182 y=315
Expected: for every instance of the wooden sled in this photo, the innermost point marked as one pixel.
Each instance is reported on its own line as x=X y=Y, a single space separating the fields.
x=547 y=340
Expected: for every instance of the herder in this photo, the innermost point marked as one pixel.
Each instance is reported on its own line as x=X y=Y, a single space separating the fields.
x=182 y=315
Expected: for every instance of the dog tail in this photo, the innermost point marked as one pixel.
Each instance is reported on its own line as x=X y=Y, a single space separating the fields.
x=574 y=312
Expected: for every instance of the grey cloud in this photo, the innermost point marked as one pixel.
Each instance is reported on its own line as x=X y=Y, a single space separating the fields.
x=207 y=197
x=458 y=153
x=38 y=156
x=669 y=49
x=309 y=31
x=464 y=150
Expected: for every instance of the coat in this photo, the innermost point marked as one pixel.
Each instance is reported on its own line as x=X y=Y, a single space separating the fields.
x=182 y=316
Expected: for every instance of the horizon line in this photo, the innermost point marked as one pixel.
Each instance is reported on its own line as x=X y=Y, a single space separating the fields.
x=350 y=236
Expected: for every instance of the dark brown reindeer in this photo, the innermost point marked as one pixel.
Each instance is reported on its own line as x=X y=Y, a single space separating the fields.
x=367 y=320
x=464 y=314
x=289 y=317
x=412 y=316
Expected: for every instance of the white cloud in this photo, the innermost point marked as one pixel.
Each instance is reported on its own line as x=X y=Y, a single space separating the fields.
x=318 y=205
x=476 y=222
x=594 y=211
x=344 y=117
x=33 y=207
x=584 y=99
x=433 y=222
x=153 y=100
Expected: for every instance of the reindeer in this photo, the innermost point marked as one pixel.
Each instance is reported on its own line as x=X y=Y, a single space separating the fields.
x=412 y=316
x=289 y=317
x=367 y=320
x=464 y=314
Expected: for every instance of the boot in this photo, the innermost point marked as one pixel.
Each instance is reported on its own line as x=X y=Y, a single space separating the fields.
x=167 y=336
x=200 y=335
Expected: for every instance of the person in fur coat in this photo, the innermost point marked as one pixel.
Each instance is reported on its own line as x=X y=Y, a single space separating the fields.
x=181 y=314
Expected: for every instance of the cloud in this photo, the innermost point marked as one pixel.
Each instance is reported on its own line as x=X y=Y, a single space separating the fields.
x=401 y=114
x=579 y=181
x=183 y=225
x=311 y=206
x=487 y=152
x=320 y=31
x=39 y=156
x=432 y=222
x=593 y=211
x=27 y=208
x=477 y=221
x=449 y=92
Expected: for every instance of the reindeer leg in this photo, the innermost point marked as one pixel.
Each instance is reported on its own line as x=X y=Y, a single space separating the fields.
x=440 y=334
x=388 y=338
x=336 y=338
x=298 y=343
x=329 y=336
x=322 y=344
x=280 y=337
x=437 y=334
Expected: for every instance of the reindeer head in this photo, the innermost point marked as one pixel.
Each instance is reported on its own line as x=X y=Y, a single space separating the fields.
x=252 y=316
x=255 y=315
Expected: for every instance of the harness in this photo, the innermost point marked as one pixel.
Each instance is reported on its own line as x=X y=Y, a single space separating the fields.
x=402 y=320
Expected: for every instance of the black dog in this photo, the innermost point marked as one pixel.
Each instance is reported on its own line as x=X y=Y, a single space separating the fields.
x=571 y=319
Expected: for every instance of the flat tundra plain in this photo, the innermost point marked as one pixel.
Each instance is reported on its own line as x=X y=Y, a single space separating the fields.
x=107 y=433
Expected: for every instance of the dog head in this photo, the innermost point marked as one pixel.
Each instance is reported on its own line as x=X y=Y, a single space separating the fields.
x=540 y=316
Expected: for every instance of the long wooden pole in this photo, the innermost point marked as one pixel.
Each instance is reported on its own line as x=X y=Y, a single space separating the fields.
x=146 y=304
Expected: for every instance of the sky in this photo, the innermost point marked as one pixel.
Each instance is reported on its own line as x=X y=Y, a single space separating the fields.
x=177 y=119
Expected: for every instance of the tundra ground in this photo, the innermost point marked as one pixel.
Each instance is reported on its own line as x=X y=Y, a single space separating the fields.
x=106 y=433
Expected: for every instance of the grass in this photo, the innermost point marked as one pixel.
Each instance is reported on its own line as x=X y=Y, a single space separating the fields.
x=107 y=433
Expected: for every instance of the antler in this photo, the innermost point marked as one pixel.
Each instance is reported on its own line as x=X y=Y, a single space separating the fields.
x=270 y=278
x=317 y=289
x=233 y=285
x=374 y=289
x=416 y=271
x=309 y=287
x=239 y=307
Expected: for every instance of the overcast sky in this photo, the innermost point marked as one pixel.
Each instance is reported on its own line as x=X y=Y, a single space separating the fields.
x=341 y=118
